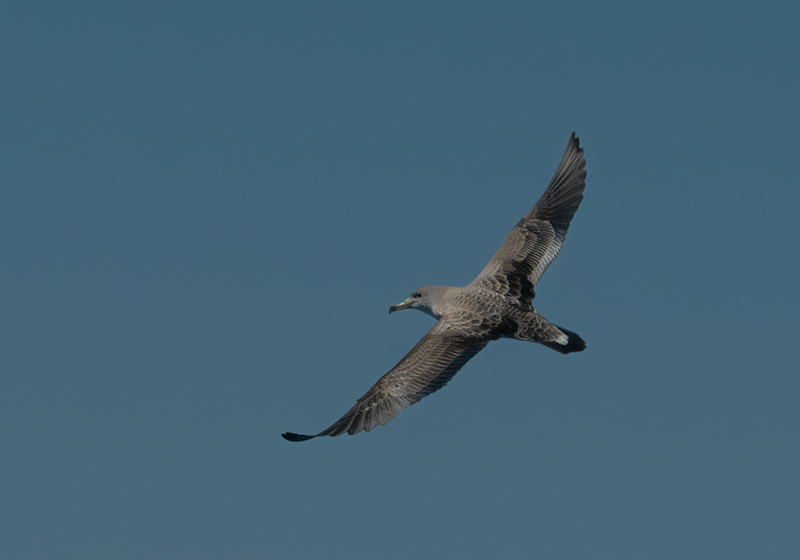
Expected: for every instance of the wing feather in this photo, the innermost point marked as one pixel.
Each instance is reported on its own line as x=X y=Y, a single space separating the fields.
x=536 y=240
x=425 y=369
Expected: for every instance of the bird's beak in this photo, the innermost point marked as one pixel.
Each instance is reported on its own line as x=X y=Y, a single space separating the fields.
x=404 y=305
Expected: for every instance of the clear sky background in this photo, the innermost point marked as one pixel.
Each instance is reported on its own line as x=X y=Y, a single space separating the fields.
x=206 y=210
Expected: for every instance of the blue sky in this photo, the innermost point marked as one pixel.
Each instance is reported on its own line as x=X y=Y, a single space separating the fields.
x=207 y=209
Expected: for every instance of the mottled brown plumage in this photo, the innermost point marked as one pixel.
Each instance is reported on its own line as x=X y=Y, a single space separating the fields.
x=498 y=303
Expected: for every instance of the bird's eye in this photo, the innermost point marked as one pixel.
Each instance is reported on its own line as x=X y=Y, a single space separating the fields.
x=416 y=295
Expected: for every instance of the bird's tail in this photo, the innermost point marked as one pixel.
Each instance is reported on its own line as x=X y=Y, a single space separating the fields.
x=574 y=342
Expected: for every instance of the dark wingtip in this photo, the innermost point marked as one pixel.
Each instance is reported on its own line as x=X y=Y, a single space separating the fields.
x=289 y=436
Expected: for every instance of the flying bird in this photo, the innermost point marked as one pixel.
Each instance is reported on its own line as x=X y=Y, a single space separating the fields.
x=497 y=304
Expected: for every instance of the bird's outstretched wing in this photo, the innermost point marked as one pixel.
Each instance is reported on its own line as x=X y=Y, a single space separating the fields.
x=425 y=369
x=536 y=240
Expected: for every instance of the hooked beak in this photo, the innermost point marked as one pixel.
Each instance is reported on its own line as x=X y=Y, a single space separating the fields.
x=404 y=305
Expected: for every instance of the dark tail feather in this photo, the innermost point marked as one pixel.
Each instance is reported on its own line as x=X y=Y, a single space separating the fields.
x=574 y=344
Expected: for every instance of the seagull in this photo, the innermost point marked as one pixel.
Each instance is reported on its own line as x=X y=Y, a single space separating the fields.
x=497 y=304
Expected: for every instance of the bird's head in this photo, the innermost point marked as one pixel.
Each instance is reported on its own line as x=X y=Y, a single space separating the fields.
x=428 y=300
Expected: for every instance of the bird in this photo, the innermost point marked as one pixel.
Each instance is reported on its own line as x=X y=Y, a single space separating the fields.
x=498 y=303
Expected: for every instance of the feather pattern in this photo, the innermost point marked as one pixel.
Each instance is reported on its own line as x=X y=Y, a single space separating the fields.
x=425 y=369
x=498 y=303
x=536 y=240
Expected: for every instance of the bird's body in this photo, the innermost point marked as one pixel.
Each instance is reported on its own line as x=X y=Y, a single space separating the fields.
x=498 y=303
